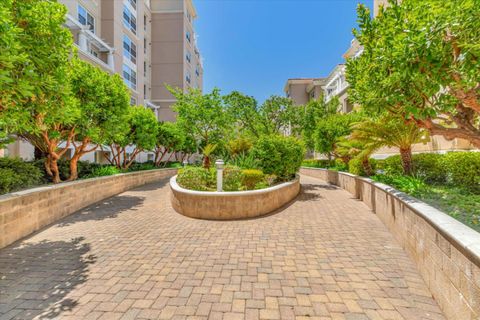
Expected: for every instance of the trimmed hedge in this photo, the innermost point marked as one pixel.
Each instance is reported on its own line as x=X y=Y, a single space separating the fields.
x=454 y=168
x=463 y=168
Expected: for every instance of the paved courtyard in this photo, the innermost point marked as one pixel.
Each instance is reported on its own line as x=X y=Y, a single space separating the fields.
x=325 y=256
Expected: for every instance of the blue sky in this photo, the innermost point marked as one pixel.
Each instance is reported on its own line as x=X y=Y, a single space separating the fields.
x=254 y=46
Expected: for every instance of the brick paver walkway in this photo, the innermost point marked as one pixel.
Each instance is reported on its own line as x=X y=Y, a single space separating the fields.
x=326 y=256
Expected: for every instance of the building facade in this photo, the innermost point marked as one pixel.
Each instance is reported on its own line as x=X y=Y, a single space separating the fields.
x=302 y=90
x=335 y=85
x=150 y=43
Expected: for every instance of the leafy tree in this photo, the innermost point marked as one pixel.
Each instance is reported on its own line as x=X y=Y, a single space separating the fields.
x=15 y=72
x=421 y=61
x=330 y=129
x=103 y=102
x=243 y=110
x=315 y=110
x=202 y=116
x=388 y=131
x=278 y=115
x=36 y=101
x=170 y=139
x=189 y=147
x=139 y=134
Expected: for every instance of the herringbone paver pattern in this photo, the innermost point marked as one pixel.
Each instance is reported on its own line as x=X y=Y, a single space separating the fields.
x=326 y=256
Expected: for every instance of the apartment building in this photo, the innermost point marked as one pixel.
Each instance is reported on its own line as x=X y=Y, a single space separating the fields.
x=302 y=90
x=335 y=85
x=151 y=43
x=176 y=60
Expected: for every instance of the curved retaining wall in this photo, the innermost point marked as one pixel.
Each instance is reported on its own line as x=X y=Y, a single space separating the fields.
x=24 y=212
x=231 y=205
x=447 y=253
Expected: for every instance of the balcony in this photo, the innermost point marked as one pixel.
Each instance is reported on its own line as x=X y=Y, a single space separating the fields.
x=90 y=46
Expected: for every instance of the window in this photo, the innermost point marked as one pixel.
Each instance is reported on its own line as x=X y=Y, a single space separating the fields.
x=197 y=71
x=129 y=20
x=187 y=35
x=145 y=23
x=149 y=157
x=129 y=49
x=144 y=90
x=187 y=77
x=189 y=16
x=145 y=69
x=86 y=19
x=133 y=102
x=133 y=3
x=145 y=45
x=188 y=55
x=130 y=77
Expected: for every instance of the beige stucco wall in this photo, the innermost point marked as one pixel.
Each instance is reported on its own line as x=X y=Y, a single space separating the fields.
x=437 y=144
x=24 y=212
x=298 y=93
x=446 y=252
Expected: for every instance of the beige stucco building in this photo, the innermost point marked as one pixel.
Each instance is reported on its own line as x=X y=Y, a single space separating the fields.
x=302 y=90
x=335 y=85
x=150 y=43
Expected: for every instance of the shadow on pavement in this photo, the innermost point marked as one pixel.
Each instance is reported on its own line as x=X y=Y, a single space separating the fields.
x=105 y=209
x=36 y=278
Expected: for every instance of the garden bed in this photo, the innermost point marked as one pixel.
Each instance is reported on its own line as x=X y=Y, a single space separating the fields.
x=232 y=205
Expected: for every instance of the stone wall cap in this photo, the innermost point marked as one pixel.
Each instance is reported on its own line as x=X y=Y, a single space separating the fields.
x=49 y=187
x=464 y=238
x=176 y=187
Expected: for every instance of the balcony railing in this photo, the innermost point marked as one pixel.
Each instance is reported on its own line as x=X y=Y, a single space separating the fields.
x=87 y=41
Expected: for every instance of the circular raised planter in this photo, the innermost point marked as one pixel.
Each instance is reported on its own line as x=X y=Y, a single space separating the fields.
x=231 y=205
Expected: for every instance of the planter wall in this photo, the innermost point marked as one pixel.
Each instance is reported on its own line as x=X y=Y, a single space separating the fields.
x=231 y=205
x=24 y=212
x=446 y=252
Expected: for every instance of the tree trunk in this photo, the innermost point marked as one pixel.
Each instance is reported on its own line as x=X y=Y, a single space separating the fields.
x=55 y=171
x=74 y=167
x=406 y=157
x=367 y=167
x=47 y=166
x=206 y=162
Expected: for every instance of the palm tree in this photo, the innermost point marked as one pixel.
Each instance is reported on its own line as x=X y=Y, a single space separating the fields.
x=389 y=131
x=348 y=148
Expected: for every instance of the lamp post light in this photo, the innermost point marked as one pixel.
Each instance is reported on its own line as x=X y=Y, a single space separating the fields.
x=219 y=165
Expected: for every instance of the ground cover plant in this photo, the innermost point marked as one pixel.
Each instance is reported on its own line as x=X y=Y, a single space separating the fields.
x=449 y=182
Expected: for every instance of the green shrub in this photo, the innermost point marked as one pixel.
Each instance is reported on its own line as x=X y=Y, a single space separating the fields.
x=244 y=161
x=355 y=166
x=316 y=163
x=197 y=178
x=408 y=184
x=103 y=171
x=429 y=167
x=16 y=174
x=463 y=169
x=339 y=165
x=279 y=155
x=238 y=146
x=139 y=166
x=232 y=178
x=252 y=177
x=392 y=166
